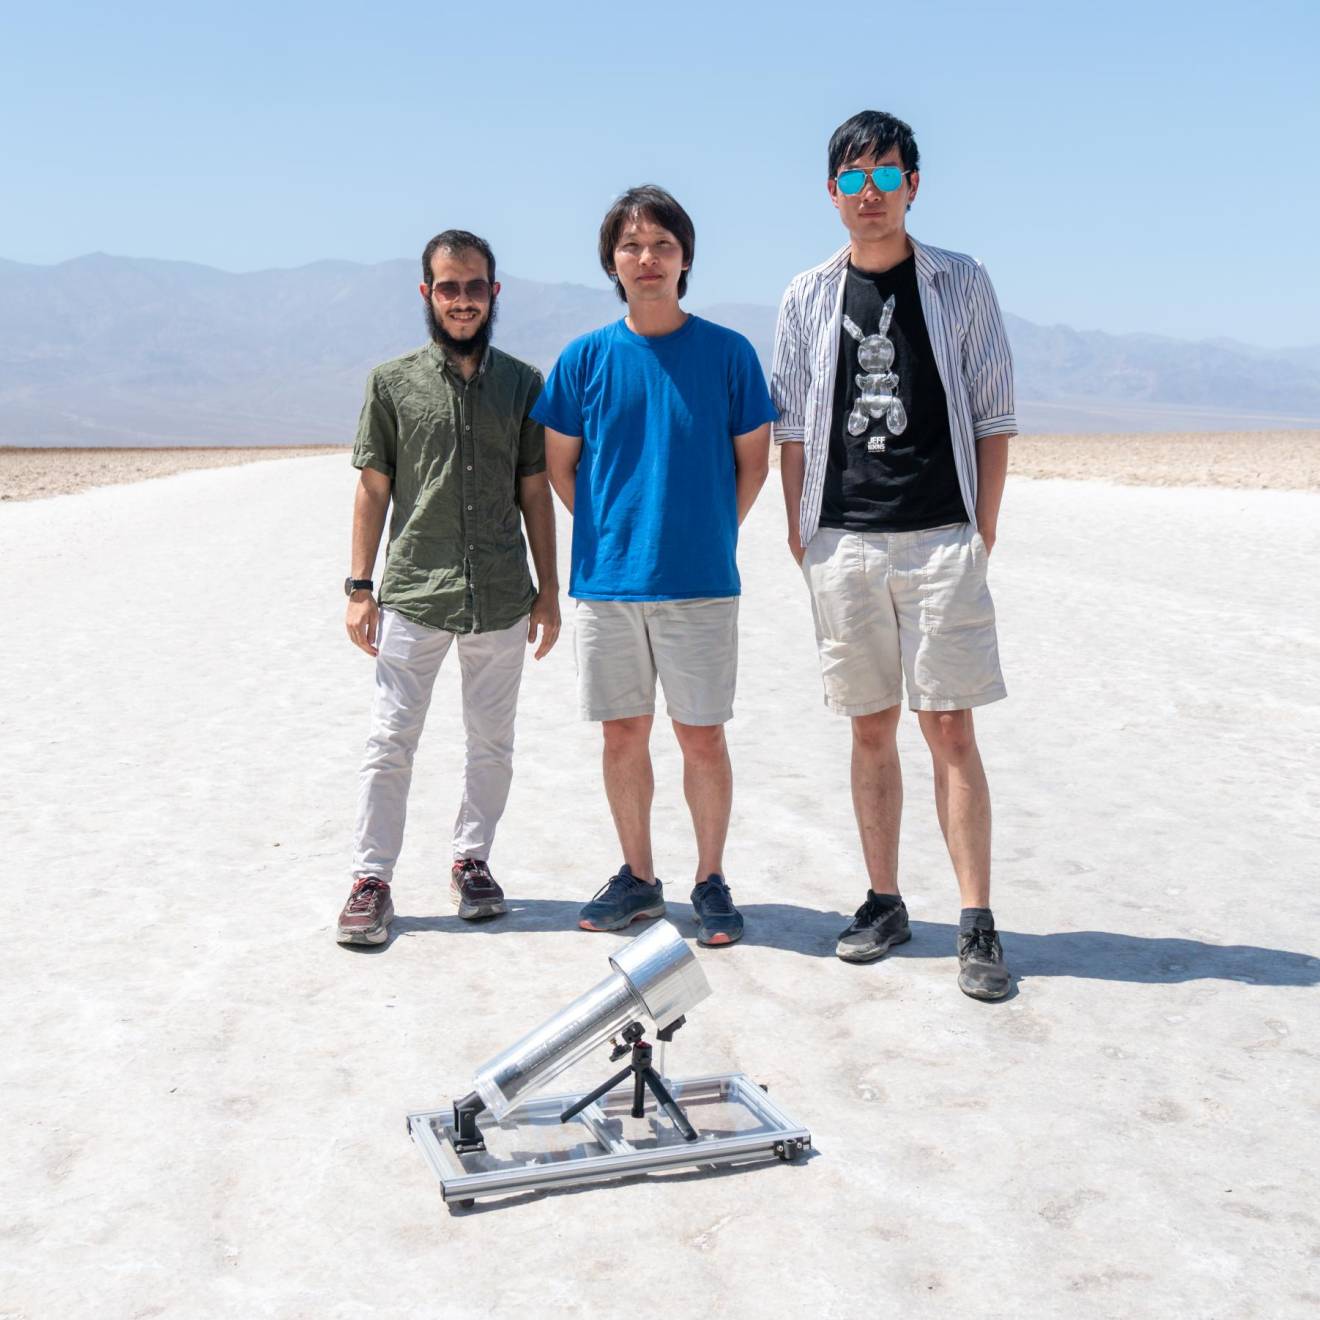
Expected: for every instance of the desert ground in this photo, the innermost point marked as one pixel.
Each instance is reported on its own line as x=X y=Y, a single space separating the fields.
x=204 y=1096
x=1245 y=460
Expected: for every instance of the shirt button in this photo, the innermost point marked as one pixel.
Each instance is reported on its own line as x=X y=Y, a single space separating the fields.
x=471 y=546
x=469 y=508
x=469 y=467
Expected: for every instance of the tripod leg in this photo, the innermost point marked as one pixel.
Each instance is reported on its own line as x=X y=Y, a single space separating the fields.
x=639 y=1093
x=575 y=1109
x=669 y=1105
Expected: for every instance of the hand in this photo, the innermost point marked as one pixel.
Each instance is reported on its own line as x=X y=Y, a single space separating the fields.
x=362 y=621
x=545 y=616
x=795 y=545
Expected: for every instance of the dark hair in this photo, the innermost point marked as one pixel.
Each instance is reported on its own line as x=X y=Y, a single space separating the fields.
x=872 y=133
x=457 y=240
x=660 y=208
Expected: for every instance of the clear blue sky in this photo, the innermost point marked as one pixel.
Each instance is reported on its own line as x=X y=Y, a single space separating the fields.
x=1117 y=166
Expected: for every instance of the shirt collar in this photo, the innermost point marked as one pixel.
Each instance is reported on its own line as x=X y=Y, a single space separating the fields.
x=442 y=361
x=929 y=261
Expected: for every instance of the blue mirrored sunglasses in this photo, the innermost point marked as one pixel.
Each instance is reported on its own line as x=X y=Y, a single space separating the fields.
x=887 y=178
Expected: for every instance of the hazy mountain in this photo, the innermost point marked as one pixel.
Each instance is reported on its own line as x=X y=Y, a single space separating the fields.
x=117 y=351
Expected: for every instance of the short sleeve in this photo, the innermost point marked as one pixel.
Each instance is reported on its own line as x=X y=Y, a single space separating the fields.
x=749 y=399
x=560 y=403
x=376 y=445
x=531 y=436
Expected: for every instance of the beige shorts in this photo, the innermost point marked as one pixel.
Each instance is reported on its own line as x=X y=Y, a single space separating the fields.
x=891 y=606
x=692 y=645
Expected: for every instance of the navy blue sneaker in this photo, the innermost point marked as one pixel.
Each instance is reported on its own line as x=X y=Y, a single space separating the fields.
x=712 y=905
x=621 y=900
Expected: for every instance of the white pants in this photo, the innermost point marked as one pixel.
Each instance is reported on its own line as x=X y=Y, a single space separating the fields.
x=408 y=660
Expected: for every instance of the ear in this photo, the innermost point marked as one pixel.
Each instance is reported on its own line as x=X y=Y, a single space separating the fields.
x=425 y=292
x=914 y=182
x=495 y=290
x=833 y=189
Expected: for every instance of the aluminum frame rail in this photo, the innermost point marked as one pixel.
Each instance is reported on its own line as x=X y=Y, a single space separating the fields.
x=773 y=1135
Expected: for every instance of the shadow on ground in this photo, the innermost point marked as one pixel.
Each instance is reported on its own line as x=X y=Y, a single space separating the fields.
x=1098 y=955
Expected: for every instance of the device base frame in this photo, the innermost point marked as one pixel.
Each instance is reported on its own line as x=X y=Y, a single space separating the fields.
x=775 y=1136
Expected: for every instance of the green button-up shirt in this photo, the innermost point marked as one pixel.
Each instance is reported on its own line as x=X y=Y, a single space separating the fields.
x=454 y=450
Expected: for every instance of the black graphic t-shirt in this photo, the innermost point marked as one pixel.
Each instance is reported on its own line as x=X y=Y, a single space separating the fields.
x=890 y=465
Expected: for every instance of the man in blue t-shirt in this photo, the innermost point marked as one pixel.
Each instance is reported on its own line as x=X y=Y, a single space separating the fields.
x=657 y=441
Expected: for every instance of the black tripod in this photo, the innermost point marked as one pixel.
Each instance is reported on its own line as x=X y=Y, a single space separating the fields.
x=643 y=1075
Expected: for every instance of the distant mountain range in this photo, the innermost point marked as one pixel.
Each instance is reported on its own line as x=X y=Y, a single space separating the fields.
x=108 y=350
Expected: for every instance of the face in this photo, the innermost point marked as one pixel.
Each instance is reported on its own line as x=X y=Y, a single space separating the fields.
x=648 y=261
x=462 y=319
x=872 y=216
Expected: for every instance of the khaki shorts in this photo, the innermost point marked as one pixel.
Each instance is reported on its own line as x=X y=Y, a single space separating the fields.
x=891 y=606
x=692 y=645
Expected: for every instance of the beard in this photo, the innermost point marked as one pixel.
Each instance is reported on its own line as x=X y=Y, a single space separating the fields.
x=473 y=347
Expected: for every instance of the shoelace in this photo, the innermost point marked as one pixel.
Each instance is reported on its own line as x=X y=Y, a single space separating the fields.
x=473 y=865
x=979 y=944
x=364 y=896
x=616 y=885
x=869 y=911
x=715 y=898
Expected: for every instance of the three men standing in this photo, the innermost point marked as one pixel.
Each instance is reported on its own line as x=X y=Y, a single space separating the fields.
x=446 y=433
x=657 y=438
x=894 y=389
x=894 y=385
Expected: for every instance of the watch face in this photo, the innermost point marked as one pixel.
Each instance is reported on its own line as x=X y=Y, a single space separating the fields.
x=348 y=586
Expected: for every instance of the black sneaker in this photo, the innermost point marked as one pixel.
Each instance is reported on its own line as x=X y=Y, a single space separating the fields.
x=981 y=970
x=712 y=905
x=874 y=931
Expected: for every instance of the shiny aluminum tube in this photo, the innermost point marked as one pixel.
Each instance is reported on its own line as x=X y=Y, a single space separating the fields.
x=656 y=976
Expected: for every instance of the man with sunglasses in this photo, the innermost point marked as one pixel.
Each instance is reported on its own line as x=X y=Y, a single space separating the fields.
x=658 y=439
x=446 y=435
x=894 y=385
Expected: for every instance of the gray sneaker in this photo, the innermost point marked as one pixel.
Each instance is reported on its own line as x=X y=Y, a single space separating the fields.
x=621 y=900
x=875 y=929
x=981 y=970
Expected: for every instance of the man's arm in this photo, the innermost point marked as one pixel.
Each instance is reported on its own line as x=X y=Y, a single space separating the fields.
x=561 y=460
x=751 y=462
x=370 y=505
x=991 y=472
x=538 y=515
x=792 y=467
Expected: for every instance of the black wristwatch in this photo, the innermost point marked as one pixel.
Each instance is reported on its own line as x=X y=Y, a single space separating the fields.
x=353 y=584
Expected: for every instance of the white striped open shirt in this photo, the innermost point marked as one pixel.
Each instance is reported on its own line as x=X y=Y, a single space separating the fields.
x=971 y=354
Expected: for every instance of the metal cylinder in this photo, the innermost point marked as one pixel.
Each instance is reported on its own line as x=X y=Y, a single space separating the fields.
x=655 y=975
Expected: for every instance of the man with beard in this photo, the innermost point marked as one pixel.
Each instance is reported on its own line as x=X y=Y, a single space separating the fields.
x=446 y=434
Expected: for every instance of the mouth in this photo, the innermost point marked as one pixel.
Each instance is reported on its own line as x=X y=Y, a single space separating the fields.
x=464 y=318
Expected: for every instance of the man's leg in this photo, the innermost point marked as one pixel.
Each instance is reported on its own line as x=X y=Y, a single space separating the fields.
x=877 y=792
x=630 y=788
x=962 y=799
x=695 y=643
x=409 y=659
x=492 y=669
x=708 y=787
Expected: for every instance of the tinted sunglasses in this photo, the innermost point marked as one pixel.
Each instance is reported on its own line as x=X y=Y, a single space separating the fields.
x=887 y=178
x=449 y=290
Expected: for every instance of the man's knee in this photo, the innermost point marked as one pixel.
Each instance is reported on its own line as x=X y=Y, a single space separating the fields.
x=626 y=735
x=878 y=732
x=700 y=742
x=950 y=734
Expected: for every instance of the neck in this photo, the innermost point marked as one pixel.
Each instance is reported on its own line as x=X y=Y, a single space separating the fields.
x=655 y=318
x=881 y=255
x=466 y=365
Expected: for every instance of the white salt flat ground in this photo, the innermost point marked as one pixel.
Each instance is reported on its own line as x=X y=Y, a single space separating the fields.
x=202 y=1096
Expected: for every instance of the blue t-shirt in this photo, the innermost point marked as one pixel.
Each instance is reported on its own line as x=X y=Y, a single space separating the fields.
x=655 y=514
